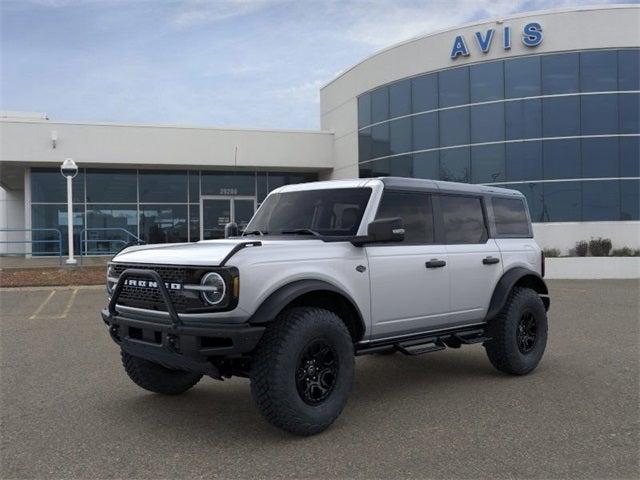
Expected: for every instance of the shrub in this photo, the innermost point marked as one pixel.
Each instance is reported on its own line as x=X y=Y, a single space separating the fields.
x=625 y=252
x=581 y=248
x=600 y=247
x=551 y=252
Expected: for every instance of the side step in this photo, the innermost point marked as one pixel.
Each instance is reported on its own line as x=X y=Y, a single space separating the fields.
x=432 y=342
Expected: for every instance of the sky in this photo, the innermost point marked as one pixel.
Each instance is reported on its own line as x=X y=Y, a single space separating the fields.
x=227 y=63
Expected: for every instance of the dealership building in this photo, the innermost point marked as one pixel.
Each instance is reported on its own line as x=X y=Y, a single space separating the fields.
x=546 y=103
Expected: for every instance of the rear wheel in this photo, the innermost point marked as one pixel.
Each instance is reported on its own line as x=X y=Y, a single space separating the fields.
x=156 y=378
x=518 y=333
x=302 y=370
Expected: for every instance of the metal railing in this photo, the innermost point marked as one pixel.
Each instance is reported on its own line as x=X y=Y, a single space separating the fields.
x=57 y=241
x=119 y=242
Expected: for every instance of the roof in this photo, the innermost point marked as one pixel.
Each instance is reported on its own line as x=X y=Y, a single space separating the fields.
x=401 y=183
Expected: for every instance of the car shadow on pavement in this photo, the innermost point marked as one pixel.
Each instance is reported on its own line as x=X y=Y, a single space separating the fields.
x=227 y=408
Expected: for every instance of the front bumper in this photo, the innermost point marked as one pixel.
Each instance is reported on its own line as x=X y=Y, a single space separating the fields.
x=172 y=343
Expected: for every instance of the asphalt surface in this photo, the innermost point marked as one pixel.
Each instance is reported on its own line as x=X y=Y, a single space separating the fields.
x=69 y=410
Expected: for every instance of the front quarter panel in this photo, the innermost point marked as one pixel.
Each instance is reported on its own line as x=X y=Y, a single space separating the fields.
x=268 y=268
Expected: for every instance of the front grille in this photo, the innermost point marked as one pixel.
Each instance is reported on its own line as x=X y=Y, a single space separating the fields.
x=150 y=298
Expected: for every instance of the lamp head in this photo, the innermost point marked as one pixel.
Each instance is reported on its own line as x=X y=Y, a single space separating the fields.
x=69 y=169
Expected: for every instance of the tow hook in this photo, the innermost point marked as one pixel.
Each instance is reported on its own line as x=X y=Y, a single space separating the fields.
x=113 y=331
x=172 y=343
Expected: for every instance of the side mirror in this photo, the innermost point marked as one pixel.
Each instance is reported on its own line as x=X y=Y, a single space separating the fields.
x=382 y=230
x=231 y=230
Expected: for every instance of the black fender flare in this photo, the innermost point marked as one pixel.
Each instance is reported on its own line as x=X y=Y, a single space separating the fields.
x=509 y=279
x=286 y=294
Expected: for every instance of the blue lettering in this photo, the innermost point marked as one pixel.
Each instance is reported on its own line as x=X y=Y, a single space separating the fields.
x=485 y=43
x=532 y=34
x=459 y=48
x=506 y=38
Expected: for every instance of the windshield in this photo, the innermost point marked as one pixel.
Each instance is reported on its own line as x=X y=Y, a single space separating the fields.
x=330 y=212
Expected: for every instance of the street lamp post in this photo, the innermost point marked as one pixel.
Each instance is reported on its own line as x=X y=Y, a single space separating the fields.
x=69 y=169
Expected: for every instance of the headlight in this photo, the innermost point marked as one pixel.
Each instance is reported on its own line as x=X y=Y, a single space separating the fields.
x=215 y=288
x=111 y=279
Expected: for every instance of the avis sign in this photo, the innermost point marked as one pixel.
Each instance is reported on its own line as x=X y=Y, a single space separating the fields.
x=531 y=37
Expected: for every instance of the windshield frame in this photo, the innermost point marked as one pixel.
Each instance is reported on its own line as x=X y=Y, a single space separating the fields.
x=256 y=227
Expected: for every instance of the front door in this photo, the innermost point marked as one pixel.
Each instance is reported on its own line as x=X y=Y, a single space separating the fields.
x=217 y=211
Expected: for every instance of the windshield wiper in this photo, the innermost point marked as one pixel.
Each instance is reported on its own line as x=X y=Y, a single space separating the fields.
x=254 y=232
x=302 y=231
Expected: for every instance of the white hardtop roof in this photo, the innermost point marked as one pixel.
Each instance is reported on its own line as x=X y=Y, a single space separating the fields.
x=400 y=182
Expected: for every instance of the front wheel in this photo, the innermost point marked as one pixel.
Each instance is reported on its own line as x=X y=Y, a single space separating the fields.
x=518 y=333
x=302 y=370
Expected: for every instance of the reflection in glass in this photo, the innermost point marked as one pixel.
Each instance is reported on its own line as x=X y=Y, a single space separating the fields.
x=600 y=157
x=630 y=156
x=163 y=223
x=487 y=164
x=365 y=147
x=194 y=186
x=380 y=140
x=425 y=131
x=629 y=113
x=424 y=93
x=560 y=73
x=522 y=77
x=163 y=186
x=599 y=114
x=453 y=87
x=523 y=119
x=379 y=104
x=113 y=222
x=455 y=165
x=561 y=116
x=54 y=216
x=533 y=194
x=400 y=135
x=487 y=81
x=629 y=69
x=400 y=99
x=562 y=202
x=561 y=159
x=598 y=71
x=487 y=123
x=49 y=186
x=426 y=165
x=401 y=166
x=600 y=201
x=454 y=127
x=117 y=186
x=523 y=161
x=194 y=222
x=364 y=110
x=630 y=200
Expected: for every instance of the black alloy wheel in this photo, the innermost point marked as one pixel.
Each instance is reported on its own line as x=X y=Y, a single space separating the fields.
x=527 y=332
x=317 y=372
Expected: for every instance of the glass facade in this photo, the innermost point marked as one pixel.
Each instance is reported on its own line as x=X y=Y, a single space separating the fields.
x=157 y=206
x=561 y=128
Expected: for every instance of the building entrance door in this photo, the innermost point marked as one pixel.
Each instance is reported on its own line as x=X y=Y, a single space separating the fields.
x=216 y=211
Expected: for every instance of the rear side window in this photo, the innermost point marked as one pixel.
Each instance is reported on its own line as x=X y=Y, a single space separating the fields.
x=463 y=219
x=510 y=216
x=415 y=211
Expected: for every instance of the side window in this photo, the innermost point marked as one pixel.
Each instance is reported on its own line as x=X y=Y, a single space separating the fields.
x=510 y=216
x=415 y=211
x=463 y=219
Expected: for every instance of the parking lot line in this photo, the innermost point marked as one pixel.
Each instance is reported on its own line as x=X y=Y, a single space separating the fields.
x=42 y=305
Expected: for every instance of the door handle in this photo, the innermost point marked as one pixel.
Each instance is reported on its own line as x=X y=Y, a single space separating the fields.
x=490 y=260
x=435 y=263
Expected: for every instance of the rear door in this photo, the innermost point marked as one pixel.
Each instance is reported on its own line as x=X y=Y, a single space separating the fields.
x=406 y=293
x=474 y=258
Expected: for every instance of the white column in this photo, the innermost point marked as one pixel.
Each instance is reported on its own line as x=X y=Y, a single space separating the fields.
x=70 y=260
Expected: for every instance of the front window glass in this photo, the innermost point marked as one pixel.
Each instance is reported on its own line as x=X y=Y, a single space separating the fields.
x=330 y=212
x=415 y=211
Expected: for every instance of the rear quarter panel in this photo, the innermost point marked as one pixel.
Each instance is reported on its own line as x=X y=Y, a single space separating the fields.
x=520 y=252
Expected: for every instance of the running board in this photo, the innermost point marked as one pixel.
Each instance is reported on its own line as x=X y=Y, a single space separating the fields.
x=426 y=343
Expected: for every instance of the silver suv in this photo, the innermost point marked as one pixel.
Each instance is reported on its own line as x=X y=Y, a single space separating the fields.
x=325 y=272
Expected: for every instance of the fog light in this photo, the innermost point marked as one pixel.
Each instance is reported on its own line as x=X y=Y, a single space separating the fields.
x=215 y=288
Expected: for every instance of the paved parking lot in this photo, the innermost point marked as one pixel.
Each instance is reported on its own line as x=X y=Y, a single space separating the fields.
x=68 y=409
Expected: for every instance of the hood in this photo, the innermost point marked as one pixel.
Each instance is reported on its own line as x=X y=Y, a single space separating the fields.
x=208 y=253
x=205 y=253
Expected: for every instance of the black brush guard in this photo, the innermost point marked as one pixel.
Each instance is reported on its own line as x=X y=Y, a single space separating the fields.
x=173 y=344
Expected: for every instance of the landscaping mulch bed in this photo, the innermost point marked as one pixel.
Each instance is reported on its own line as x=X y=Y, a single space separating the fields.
x=52 y=276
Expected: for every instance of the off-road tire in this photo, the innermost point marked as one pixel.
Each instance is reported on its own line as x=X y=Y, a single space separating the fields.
x=156 y=378
x=277 y=361
x=503 y=350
